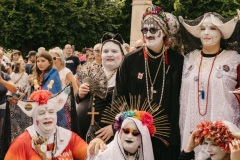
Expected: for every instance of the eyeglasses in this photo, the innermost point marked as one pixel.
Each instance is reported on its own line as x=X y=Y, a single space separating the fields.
x=55 y=58
x=151 y=30
x=98 y=51
x=135 y=133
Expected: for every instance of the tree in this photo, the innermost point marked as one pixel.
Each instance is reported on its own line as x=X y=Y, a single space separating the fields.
x=29 y=24
x=194 y=8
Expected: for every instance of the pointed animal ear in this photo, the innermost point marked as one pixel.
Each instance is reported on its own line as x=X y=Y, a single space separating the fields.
x=27 y=107
x=60 y=99
x=119 y=38
x=107 y=36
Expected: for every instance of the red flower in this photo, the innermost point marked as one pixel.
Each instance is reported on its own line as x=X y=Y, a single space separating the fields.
x=152 y=130
x=147 y=119
x=40 y=96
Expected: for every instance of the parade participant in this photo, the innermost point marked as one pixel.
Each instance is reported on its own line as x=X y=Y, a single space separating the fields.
x=154 y=72
x=44 y=139
x=217 y=140
x=134 y=125
x=209 y=74
x=131 y=142
x=112 y=53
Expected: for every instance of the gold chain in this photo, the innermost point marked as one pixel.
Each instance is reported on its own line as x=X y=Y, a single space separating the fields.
x=155 y=57
x=149 y=74
x=108 y=78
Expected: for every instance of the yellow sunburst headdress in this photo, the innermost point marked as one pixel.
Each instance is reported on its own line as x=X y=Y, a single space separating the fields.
x=150 y=116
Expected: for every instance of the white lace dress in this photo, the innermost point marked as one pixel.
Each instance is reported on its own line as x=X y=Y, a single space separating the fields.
x=222 y=105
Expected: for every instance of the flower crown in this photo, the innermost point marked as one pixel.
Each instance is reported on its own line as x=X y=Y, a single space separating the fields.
x=217 y=132
x=145 y=117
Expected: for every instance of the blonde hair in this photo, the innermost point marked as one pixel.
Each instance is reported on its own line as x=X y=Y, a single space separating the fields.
x=60 y=54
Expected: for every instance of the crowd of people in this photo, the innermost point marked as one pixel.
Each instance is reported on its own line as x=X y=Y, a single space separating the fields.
x=173 y=95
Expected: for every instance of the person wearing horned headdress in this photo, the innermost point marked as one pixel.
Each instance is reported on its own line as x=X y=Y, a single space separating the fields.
x=209 y=72
x=44 y=139
x=154 y=71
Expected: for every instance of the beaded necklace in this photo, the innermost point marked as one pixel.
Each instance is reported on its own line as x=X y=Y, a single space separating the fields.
x=201 y=91
x=109 y=77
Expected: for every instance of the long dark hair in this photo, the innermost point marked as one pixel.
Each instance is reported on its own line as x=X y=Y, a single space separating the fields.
x=37 y=73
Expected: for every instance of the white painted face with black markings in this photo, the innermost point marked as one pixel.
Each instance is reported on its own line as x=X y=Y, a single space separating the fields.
x=153 y=39
x=131 y=138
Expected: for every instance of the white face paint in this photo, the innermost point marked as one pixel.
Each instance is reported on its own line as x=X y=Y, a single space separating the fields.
x=111 y=56
x=214 y=151
x=154 y=41
x=46 y=119
x=210 y=35
x=130 y=139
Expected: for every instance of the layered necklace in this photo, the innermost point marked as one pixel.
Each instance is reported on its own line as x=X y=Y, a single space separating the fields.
x=147 y=73
x=201 y=90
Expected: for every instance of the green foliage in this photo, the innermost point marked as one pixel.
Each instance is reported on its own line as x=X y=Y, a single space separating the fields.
x=194 y=8
x=29 y=24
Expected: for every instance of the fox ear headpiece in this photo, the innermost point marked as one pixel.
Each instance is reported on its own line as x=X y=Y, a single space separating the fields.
x=42 y=98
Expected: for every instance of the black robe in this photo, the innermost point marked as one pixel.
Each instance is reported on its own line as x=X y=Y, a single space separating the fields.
x=131 y=79
x=85 y=106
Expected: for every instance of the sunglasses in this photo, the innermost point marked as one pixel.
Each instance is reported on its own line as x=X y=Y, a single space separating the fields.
x=151 y=30
x=135 y=133
x=55 y=58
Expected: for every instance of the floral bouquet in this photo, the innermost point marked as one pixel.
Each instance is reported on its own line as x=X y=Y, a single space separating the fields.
x=217 y=132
